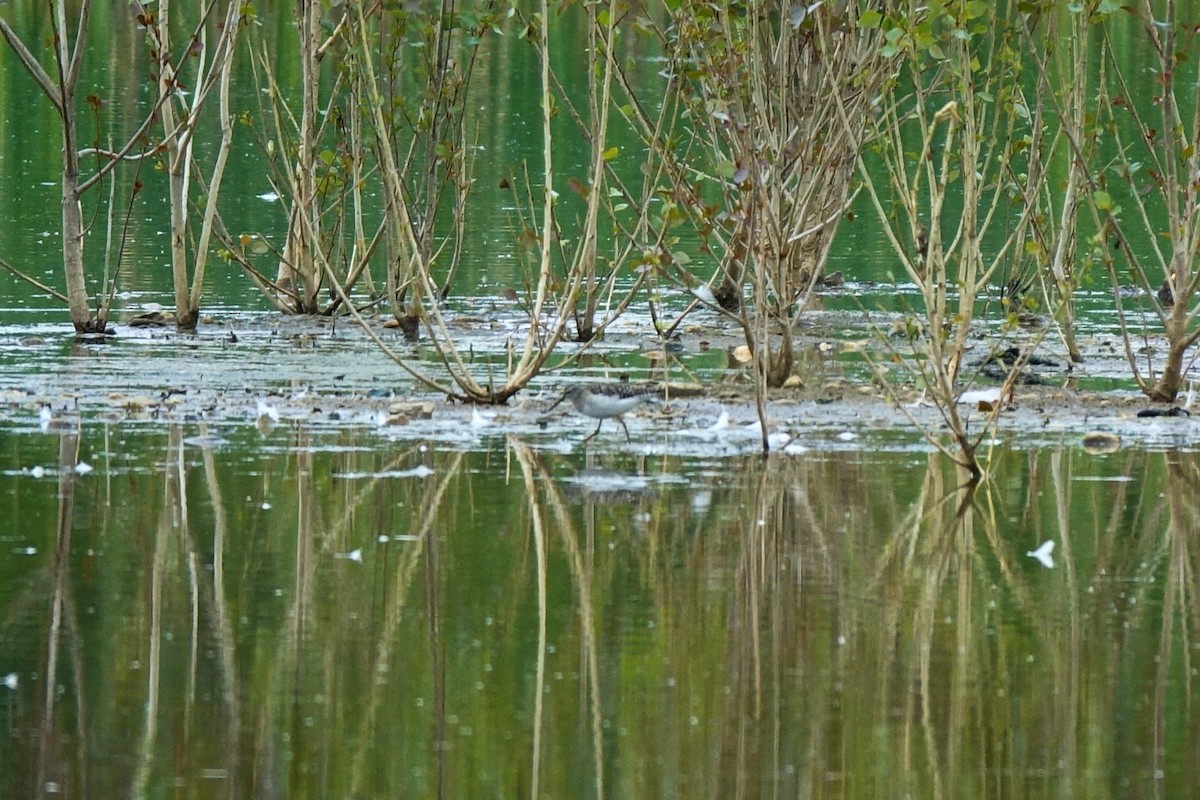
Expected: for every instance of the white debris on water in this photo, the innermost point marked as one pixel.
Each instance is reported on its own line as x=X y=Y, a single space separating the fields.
x=1044 y=554
x=355 y=555
x=721 y=424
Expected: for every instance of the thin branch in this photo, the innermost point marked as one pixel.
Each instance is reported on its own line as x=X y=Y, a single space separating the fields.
x=62 y=298
x=32 y=65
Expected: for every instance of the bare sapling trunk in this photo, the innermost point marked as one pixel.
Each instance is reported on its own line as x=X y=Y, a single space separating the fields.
x=73 y=234
x=213 y=190
x=433 y=148
x=600 y=53
x=168 y=86
x=412 y=198
x=402 y=106
x=963 y=147
x=72 y=211
x=624 y=228
x=1159 y=163
x=61 y=91
x=315 y=164
x=595 y=189
x=179 y=131
x=764 y=96
x=1060 y=134
x=409 y=262
x=298 y=272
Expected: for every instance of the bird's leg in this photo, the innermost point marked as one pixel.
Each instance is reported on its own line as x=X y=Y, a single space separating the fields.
x=593 y=433
x=626 y=429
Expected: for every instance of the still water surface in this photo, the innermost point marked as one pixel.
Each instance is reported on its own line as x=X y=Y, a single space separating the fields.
x=323 y=611
x=223 y=613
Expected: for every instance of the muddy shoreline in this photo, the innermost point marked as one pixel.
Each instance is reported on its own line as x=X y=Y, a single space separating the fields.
x=275 y=373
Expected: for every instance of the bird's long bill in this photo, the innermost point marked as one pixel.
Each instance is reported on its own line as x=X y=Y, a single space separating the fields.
x=556 y=404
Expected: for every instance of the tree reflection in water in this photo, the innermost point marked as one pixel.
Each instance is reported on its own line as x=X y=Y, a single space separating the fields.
x=859 y=624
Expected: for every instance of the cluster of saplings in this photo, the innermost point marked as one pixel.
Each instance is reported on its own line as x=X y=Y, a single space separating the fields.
x=998 y=144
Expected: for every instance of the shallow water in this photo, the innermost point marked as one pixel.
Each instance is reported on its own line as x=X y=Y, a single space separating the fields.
x=328 y=613
x=228 y=570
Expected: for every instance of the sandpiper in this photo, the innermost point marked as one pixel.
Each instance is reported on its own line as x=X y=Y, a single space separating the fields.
x=608 y=400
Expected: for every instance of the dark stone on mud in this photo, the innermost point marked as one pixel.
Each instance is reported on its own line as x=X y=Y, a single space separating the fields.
x=1174 y=411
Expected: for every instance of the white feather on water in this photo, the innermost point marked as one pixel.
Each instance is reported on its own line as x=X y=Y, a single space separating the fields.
x=1044 y=554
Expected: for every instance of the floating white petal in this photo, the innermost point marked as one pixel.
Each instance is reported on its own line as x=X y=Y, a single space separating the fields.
x=1044 y=554
x=721 y=424
x=986 y=397
x=777 y=440
x=419 y=471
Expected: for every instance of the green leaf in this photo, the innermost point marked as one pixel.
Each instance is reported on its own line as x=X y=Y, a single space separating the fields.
x=976 y=9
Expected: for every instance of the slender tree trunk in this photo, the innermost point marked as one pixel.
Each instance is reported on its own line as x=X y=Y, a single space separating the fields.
x=72 y=211
x=779 y=362
x=310 y=26
x=298 y=269
x=72 y=229
x=224 y=49
x=185 y=317
x=1166 y=388
x=185 y=314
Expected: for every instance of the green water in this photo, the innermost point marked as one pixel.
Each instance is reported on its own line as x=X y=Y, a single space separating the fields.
x=504 y=127
x=504 y=139
x=316 y=615
x=326 y=610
